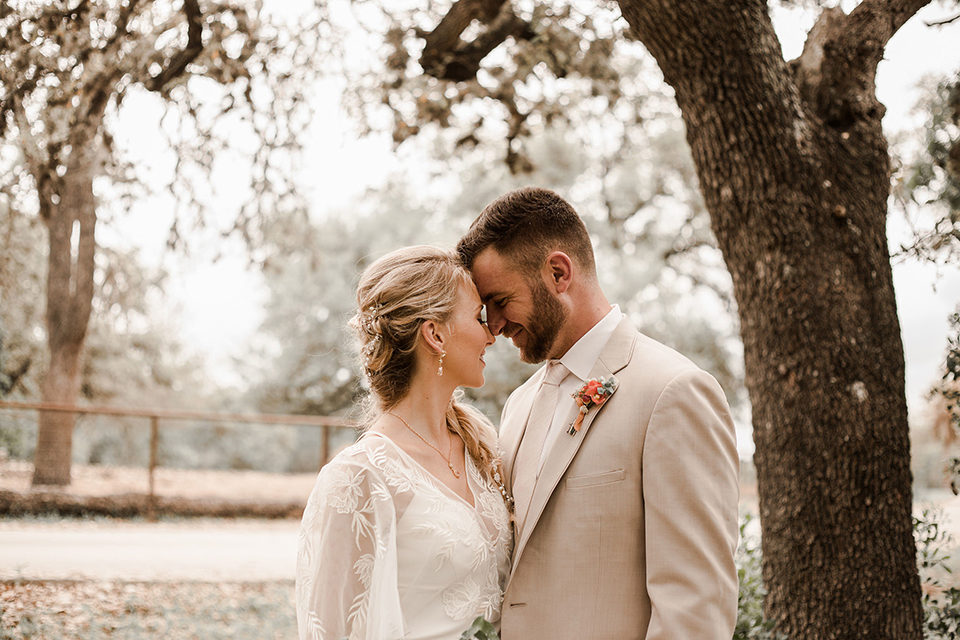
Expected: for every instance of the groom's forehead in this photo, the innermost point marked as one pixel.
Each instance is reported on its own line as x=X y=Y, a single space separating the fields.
x=491 y=263
x=490 y=272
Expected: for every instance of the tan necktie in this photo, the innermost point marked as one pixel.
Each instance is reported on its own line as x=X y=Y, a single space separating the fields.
x=526 y=467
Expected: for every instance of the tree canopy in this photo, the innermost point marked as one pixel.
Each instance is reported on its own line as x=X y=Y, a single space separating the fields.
x=66 y=68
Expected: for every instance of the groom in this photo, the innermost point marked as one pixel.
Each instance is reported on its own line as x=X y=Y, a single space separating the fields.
x=626 y=525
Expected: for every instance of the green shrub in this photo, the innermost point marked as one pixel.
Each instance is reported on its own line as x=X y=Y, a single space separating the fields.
x=941 y=602
x=751 y=625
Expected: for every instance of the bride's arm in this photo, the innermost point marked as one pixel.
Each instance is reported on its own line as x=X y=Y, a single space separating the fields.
x=346 y=561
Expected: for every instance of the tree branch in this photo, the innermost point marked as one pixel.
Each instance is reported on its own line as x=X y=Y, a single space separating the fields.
x=941 y=23
x=446 y=57
x=836 y=72
x=123 y=22
x=467 y=63
x=13 y=377
x=445 y=38
x=177 y=64
x=873 y=22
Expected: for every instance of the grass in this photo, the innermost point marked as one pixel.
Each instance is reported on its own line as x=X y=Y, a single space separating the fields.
x=61 y=610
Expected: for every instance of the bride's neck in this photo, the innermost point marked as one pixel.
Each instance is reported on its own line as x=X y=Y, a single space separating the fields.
x=425 y=405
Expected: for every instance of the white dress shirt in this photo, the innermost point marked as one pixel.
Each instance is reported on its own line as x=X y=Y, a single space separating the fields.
x=579 y=360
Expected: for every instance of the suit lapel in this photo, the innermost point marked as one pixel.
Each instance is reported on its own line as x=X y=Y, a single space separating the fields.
x=615 y=356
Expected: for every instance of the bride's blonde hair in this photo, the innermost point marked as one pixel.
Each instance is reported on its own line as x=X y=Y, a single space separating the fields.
x=397 y=294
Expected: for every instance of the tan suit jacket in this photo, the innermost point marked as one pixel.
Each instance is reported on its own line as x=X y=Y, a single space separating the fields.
x=633 y=522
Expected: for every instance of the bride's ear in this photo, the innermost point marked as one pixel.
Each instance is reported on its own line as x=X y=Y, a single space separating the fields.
x=433 y=336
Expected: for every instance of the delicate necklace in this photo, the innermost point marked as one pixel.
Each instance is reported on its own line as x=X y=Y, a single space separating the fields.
x=446 y=458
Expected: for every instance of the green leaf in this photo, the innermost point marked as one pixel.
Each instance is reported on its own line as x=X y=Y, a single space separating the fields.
x=480 y=630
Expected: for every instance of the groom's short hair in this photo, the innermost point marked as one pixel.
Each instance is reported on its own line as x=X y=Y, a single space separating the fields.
x=524 y=226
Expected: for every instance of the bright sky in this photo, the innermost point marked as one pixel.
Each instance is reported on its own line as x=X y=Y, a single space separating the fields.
x=219 y=306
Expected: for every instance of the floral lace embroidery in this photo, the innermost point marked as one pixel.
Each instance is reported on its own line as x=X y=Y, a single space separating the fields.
x=460 y=601
x=344 y=490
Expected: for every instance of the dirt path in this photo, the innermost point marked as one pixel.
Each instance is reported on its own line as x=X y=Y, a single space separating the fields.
x=202 y=550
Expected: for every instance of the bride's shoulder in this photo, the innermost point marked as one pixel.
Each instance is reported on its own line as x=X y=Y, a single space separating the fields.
x=365 y=463
x=364 y=451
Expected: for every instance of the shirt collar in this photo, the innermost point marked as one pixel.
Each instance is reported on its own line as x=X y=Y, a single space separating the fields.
x=580 y=358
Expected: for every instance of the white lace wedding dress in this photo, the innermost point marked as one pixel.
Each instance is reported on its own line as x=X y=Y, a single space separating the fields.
x=387 y=551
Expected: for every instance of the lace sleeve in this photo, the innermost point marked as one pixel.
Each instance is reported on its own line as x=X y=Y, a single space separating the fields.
x=347 y=558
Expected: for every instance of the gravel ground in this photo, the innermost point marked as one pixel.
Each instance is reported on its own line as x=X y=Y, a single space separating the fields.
x=119 y=610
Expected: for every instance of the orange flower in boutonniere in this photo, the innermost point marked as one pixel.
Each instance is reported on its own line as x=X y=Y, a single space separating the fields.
x=593 y=394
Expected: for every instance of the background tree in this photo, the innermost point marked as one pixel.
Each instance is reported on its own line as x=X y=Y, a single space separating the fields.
x=65 y=69
x=928 y=184
x=21 y=306
x=794 y=171
x=945 y=403
x=131 y=353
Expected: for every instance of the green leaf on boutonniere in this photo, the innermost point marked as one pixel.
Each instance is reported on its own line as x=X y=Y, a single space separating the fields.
x=480 y=630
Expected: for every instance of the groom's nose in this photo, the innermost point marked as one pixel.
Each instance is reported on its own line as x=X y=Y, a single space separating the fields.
x=495 y=321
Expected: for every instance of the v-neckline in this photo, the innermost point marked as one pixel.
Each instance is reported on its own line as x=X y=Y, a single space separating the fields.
x=434 y=479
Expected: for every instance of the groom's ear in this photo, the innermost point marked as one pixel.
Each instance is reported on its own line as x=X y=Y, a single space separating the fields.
x=558 y=270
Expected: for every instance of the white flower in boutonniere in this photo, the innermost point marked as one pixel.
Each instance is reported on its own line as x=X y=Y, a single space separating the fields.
x=593 y=394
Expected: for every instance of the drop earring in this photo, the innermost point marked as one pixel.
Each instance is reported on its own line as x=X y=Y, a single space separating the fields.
x=440 y=368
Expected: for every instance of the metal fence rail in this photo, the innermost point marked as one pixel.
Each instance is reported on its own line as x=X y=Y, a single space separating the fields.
x=325 y=423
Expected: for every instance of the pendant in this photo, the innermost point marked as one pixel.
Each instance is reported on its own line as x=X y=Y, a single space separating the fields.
x=456 y=474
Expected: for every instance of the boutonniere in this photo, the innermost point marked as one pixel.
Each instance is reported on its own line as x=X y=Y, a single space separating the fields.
x=593 y=394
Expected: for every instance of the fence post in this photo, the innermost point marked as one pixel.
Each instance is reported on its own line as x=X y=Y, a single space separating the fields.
x=154 y=443
x=324 y=445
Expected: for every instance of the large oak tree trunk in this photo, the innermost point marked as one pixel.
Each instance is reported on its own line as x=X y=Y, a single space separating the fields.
x=70 y=224
x=794 y=169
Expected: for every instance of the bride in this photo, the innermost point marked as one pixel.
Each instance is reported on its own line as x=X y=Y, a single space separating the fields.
x=407 y=532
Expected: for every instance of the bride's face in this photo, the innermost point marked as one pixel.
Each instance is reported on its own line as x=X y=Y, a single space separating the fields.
x=469 y=338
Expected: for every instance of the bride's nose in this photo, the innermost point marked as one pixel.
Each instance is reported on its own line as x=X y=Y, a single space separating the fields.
x=490 y=337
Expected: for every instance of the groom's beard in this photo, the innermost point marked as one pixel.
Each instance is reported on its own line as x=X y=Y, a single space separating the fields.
x=543 y=325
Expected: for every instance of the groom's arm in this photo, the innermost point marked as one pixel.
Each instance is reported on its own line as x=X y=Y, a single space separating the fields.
x=691 y=493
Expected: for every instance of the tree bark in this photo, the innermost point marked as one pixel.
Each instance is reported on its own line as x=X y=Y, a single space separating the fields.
x=69 y=302
x=795 y=173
